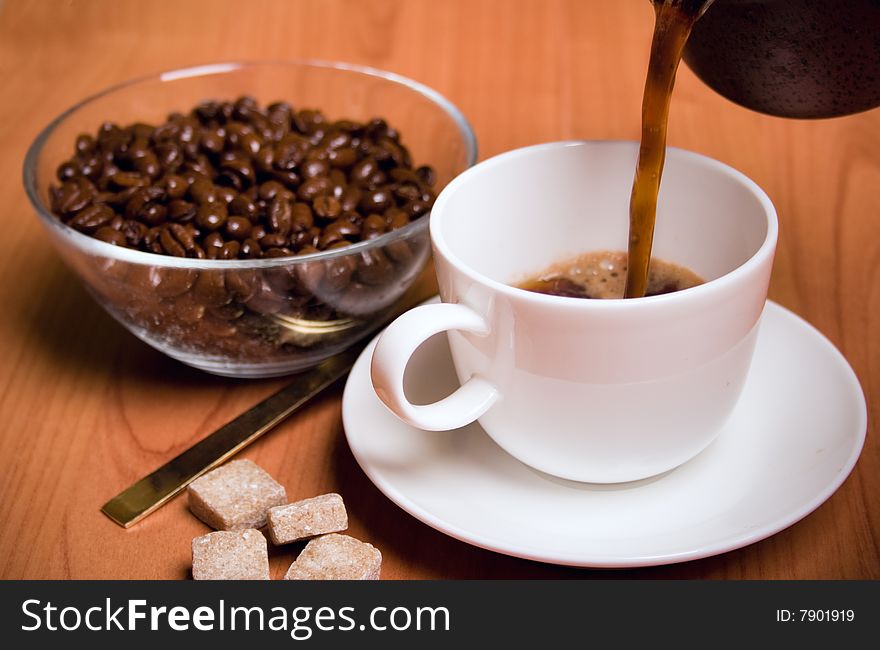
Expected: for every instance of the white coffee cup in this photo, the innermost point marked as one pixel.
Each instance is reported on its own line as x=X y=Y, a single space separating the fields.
x=589 y=390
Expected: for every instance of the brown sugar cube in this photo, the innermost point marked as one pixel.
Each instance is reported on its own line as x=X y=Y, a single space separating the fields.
x=307 y=518
x=230 y=555
x=235 y=496
x=336 y=557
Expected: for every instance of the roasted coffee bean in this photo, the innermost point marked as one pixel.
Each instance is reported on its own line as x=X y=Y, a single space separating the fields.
x=85 y=144
x=341 y=229
x=147 y=164
x=342 y=158
x=209 y=289
x=416 y=209
x=225 y=194
x=111 y=137
x=279 y=251
x=250 y=143
x=229 y=251
x=119 y=199
x=134 y=232
x=427 y=175
x=399 y=251
x=373 y=226
x=376 y=201
x=310 y=274
x=229 y=179
x=92 y=167
x=304 y=238
x=279 y=216
x=337 y=138
x=397 y=153
x=264 y=301
x=213 y=140
x=363 y=170
x=207 y=112
x=238 y=228
x=202 y=191
x=290 y=151
x=169 y=155
x=350 y=198
x=377 y=179
x=408 y=192
x=327 y=207
x=308 y=121
x=288 y=177
x=212 y=245
x=396 y=218
x=186 y=236
x=338 y=183
x=141 y=131
x=404 y=175
x=374 y=268
x=273 y=240
x=264 y=159
x=312 y=188
x=170 y=244
x=139 y=200
x=211 y=216
x=301 y=217
x=240 y=167
x=67 y=171
x=269 y=190
x=377 y=127
x=242 y=284
x=71 y=197
x=244 y=107
x=91 y=218
x=250 y=249
x=283 y=280
x=111 y=236
x=151 y=240
x=175 y=186
x=168 y=283
x=153 y=214
x=243 y=206
x=123 y=180
x=182 y=211
x=338 y=273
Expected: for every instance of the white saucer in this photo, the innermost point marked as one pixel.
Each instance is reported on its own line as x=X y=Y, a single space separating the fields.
x=793 y=439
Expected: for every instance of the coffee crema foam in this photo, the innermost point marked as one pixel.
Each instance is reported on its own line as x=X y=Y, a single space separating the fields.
x=602 y=275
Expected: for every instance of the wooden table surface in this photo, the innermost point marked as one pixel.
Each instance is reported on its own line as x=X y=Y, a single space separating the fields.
x=85 y=408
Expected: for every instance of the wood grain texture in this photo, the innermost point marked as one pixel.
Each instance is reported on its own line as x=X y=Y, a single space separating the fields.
x=86 y=409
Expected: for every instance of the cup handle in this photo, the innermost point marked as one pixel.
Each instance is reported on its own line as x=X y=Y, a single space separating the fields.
x=393 y=351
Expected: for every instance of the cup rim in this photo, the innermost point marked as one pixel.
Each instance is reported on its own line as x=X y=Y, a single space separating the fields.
x=758 y=258
x=96 y=247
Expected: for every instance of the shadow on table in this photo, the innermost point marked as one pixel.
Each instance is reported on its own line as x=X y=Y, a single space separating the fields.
x=59 y=320
x=395 y=532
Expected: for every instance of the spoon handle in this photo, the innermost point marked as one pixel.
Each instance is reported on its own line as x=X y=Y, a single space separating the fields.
x=140 y=499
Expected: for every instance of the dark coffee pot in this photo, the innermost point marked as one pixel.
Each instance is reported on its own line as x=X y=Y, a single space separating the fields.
x=791 y=58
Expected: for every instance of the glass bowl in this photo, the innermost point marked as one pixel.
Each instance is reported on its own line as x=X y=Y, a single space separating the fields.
x=260 y=317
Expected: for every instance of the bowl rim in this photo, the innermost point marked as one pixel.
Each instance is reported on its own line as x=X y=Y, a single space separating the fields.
x=96 y=247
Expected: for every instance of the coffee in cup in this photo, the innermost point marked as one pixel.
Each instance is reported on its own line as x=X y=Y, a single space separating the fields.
x=602 y=275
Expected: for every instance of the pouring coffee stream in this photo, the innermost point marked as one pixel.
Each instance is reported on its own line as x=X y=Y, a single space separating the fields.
x=787 y=58
x=674 y=20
